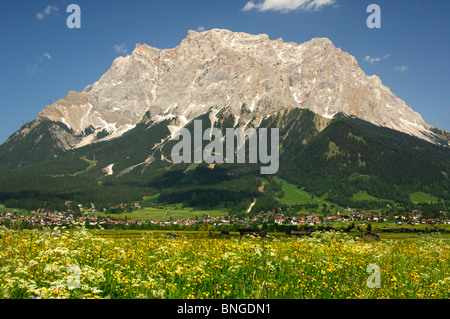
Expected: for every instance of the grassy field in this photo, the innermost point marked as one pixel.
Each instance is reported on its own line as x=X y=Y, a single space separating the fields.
x=19 y=211
x=363 y=195
x=391 y=226
x=83 y=264
x=162 y=214
x=108 y=233
x=91 y=163
x=421 y=197
x=293 y=195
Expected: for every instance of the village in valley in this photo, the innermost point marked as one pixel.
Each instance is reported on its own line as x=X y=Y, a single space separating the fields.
x=275 y=221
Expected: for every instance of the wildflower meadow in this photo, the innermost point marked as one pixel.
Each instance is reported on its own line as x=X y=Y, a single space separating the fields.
x=75 y=264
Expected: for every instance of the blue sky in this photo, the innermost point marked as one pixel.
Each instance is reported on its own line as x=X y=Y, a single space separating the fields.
x=42 y=59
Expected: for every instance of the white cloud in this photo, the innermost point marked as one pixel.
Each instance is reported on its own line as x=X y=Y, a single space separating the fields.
x=201 y=28
x=34 y=68
x=373 y=60
x=49 y=10
x=288 y=5
x=402 y=68
x=249 y=6
x=121 y=48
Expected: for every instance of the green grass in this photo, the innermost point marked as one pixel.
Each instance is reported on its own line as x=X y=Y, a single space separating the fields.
x=19 y=211
x=363 y=195
x=358 y=138
x=333 y=150
x=421 y=197
x=91 y=163
x=295 y=196
x=391 y=227
x=162 y=214
x=191 y=167
x=356 y=176
x=153 y=198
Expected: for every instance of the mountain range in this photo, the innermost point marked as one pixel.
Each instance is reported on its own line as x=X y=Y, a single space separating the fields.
x=341 y=131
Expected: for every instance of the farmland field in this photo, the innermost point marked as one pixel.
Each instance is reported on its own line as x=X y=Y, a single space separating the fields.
x=46 y=264
x=163 y=214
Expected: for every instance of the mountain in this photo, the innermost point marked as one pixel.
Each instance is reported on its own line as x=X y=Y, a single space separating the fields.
x=224 y=69
x=112 y=141
x=335 y=158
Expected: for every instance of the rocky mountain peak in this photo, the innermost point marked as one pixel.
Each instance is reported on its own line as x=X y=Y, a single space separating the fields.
x=250 y=76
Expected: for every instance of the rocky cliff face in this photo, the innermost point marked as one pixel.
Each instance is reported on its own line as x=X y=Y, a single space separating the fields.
x=250 y=76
